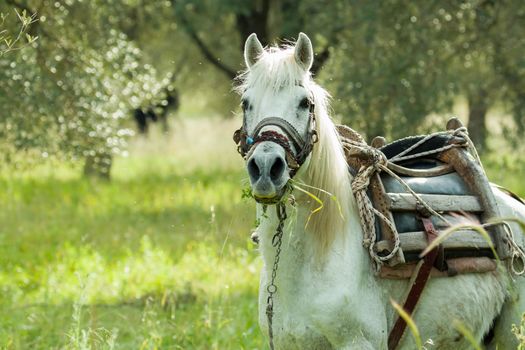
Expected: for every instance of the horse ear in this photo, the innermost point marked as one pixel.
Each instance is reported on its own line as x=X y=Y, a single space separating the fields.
x=304 y=53
x=253 y=49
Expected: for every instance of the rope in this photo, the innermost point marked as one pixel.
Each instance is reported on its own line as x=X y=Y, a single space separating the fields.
x=517 y=253
x=461 y=132
x=367 y=212
x=378 y=163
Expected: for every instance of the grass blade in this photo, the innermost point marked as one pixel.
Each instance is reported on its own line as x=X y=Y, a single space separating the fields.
x=410 y=322
x=445 y=234
x=465 y=332
x=315 y=198
x=332 y=196
x=521 y=223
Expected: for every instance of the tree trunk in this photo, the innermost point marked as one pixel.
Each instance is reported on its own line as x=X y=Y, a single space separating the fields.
x=255 y=21
x=98 y=166
x=478 y=106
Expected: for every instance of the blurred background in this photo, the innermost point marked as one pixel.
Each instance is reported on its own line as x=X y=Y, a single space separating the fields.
x=122 y=222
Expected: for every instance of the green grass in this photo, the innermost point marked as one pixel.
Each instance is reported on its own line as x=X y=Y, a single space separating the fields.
x=158 y=258
x=165 y=261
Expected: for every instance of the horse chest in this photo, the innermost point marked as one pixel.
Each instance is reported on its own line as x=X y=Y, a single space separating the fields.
x=312 y=309
x=295 y=322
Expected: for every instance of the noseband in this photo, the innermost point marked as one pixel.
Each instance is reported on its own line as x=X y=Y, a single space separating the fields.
x=246 y=143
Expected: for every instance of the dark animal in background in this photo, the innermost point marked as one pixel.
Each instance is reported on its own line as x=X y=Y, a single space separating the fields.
x=157 y=113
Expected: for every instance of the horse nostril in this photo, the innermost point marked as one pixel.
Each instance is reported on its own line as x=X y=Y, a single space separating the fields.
x=253 y=169
x=277 y=169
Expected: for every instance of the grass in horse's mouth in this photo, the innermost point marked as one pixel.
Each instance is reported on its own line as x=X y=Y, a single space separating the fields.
x=302 y=187
x=267 y=201
x=285 y=196
x=281 y=196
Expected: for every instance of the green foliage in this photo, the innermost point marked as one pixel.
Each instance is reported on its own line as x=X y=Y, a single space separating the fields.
x=519 y=333
x=389 y=64
x=68 y=94
x=400 y=61
x=392 y=63
x=11 y=41
x=158 y=258
x=504 y=167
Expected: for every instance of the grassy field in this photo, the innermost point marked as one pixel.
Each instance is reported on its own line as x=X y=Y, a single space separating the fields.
x=158 y=258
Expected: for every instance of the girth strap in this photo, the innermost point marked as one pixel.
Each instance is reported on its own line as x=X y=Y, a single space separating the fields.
x=416 y=290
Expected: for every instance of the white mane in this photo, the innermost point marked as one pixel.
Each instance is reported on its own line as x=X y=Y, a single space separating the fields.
x=277 y=69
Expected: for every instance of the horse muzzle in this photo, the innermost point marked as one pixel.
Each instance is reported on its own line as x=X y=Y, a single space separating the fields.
x=269 y=172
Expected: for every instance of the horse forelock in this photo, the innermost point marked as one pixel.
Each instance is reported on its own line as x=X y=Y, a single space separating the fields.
x=277 y=69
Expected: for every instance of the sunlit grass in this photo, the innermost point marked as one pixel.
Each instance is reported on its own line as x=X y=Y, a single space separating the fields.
x=160 y=257
x=410 y=322
x=173 y=246
x=467 y=334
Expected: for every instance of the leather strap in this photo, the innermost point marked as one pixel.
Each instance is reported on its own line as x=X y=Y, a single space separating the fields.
x=416 y=290
x=303 y=147
x=284 y=125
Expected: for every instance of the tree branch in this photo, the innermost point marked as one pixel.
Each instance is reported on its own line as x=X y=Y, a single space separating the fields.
x=35 y=26
x=204 y=49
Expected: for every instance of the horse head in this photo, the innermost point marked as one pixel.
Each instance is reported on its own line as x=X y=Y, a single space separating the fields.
x=278 y=130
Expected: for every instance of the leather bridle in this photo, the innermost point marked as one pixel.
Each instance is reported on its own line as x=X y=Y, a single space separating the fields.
x=246 y=142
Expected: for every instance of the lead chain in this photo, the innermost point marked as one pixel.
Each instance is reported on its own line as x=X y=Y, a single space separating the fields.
x=277 y=240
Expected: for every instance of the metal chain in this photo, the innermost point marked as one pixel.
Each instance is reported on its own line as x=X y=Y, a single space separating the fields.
x=277 y=241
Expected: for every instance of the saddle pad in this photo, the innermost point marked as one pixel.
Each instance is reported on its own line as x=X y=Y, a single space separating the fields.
x=394 y=148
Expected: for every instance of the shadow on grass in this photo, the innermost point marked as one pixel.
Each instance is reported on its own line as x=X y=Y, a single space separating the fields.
x=112 y=218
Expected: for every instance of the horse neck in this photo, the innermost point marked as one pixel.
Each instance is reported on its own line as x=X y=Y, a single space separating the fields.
x=299 y=246
x=296 y=244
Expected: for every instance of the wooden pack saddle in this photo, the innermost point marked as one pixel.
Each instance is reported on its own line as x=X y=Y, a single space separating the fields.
x=451 y=181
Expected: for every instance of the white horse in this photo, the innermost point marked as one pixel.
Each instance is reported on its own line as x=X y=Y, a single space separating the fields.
x=327 y=295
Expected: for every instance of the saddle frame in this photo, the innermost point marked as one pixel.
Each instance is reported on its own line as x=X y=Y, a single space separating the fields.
x=482 y=202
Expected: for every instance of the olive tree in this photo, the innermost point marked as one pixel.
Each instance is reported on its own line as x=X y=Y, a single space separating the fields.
x=67 y=95
x=400 y=61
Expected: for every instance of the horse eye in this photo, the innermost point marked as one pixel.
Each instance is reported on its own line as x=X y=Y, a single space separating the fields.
x=245 y=105
x=305 y=103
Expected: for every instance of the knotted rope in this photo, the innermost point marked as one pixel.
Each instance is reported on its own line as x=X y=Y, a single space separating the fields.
x=460 y=132
x=518 y=255
x=367 y=212
x=377 y=162
x=517 y=258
